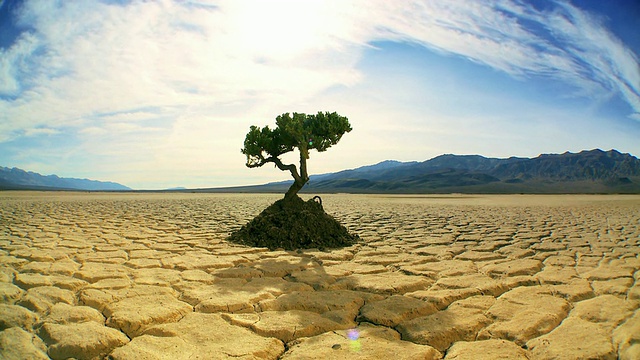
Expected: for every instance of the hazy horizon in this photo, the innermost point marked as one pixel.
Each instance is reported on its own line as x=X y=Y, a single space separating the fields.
x=286 y=178
x=155 y=95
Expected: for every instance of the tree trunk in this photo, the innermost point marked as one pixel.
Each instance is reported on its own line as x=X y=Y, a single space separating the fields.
x=293 y=190
x=299 y=180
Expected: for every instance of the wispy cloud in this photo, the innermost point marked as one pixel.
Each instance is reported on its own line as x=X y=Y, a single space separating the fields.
x=99 y=56
x=184 y=69
x=562 y=42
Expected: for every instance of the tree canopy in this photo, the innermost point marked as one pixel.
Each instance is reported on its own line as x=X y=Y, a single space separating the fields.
x=304 y=132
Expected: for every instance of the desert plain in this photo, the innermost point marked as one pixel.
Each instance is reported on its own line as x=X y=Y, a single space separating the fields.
x=151 y=276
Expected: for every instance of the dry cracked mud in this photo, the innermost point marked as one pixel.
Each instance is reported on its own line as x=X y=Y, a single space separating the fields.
x=150 y=276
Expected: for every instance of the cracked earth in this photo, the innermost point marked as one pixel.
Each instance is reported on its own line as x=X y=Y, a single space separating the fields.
x=150 y=276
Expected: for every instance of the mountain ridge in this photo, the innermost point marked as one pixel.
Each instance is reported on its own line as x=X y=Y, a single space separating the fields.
x=588 y=171
x=18 y=179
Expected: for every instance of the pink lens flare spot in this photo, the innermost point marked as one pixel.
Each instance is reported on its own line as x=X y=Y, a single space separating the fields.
x=353 y=334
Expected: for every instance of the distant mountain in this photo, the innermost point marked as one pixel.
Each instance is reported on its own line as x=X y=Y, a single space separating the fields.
x=593 y=171
x=443 y=166
x=18 y=179
x=367 y=172
x=585 y=165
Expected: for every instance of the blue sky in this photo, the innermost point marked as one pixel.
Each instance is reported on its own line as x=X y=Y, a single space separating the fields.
x=160 y=94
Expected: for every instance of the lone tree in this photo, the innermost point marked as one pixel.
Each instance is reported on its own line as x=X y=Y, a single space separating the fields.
x=292 y=223
x=305 y=132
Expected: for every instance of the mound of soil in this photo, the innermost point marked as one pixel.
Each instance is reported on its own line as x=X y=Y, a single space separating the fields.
x=294 y=224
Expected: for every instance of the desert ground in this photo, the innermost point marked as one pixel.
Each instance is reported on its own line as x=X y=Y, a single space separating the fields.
x=150 y=276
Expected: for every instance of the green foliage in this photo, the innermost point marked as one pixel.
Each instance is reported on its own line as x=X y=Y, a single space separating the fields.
x=305 y=132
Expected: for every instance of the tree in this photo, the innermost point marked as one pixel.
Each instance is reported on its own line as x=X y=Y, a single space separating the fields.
x=301 y=131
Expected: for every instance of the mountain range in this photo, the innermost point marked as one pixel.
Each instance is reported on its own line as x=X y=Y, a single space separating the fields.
x=589 y=171
x=18 y=179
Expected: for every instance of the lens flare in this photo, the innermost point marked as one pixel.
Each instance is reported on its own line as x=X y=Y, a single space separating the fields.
x=354 y=336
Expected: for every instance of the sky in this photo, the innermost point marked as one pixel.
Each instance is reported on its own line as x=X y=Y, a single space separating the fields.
x=160 y=94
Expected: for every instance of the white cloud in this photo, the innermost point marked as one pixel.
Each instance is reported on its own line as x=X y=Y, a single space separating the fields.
x=581 y=50
x=12 y=64
x=40 y=131
x=175 y=82
x=99 y=58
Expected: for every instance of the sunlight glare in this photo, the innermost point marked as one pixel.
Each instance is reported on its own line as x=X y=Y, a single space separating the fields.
x=279 y=30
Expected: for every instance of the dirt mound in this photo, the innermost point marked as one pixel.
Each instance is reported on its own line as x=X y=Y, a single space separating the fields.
x=294 y=224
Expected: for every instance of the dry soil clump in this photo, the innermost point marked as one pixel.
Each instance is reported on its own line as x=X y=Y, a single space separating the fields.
x=294 y=224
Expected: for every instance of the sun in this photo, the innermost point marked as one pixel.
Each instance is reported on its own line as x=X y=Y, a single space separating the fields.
x=281 y=29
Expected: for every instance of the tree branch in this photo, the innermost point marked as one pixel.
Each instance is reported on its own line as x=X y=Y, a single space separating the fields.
x=291 y=168
x=261 y=160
